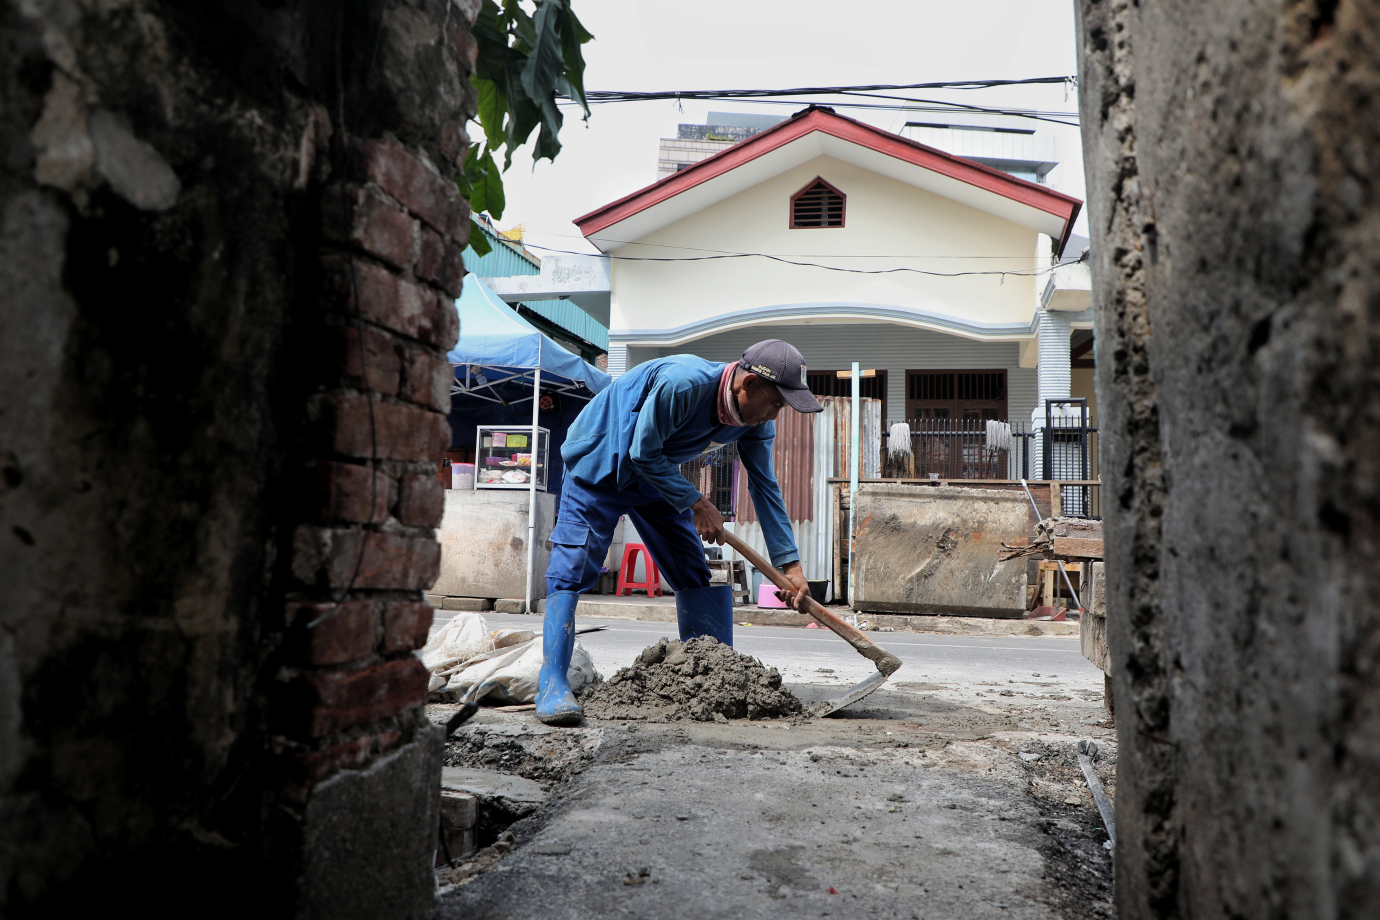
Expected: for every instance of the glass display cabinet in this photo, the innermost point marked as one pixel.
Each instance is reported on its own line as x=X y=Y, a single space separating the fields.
x=506 y=457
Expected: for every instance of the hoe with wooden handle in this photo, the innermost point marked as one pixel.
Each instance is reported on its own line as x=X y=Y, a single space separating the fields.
x=886 y=662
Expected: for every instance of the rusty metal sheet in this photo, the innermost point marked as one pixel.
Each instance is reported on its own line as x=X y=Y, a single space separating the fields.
x=793 y=458
x=934 y=550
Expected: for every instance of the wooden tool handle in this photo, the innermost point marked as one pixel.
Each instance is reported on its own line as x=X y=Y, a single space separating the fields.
x=886 y=662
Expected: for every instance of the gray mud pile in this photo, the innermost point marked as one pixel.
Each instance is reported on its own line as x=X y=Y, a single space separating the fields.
x=701 y=680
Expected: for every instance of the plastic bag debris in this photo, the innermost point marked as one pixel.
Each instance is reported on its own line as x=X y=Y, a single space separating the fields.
x=499 y=667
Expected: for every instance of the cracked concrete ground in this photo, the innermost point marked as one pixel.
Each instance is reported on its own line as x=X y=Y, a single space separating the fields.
x=915 y=804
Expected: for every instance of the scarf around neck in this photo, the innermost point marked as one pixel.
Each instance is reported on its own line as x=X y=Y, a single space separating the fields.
x=728 y=407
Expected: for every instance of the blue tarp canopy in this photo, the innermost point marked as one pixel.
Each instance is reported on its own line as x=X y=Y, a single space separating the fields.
x=499 y=346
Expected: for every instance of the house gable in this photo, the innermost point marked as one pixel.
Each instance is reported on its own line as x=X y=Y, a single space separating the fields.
x=820 y=132
x=890 y=225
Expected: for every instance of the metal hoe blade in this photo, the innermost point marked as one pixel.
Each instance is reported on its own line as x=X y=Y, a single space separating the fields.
x=886 y=662
x=852 y=696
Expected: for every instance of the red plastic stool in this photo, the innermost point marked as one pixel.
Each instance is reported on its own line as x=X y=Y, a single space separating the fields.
x=625 y=571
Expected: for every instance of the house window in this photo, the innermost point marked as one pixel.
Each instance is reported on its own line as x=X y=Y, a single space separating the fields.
x=818 y=204
x=956 y=394
x=829 y=383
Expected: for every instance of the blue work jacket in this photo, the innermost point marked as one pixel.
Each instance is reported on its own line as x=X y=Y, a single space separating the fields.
x=661 y=414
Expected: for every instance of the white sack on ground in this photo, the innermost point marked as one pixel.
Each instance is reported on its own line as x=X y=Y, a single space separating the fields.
x=509 y=676
x=464 y=637
x=502 y=664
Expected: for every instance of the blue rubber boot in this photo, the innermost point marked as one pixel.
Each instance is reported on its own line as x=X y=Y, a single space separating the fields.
x=706 y=612
x=556 y=704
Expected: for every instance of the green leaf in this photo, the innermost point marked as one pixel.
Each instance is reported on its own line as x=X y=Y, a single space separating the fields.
x=545 y=62
x=573 y=35
x=521 y=26
x=485 y=190
x=493 y=109
x=489 y=25
x=492 y=194
x=548 y=142
x=525 y=116
x=479 y=240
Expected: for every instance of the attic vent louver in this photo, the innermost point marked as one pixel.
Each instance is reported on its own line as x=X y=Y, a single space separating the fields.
x=818 y=204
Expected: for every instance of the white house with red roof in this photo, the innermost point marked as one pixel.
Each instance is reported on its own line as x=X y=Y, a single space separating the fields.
x=855 y=244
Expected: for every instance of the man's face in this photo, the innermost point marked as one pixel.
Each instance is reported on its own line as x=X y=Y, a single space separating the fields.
x=759 y=400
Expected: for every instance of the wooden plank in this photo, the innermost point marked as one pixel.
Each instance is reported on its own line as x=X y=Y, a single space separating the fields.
x=1083 y=547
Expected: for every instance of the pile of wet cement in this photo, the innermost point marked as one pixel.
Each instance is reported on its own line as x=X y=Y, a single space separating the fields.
x=701 y=680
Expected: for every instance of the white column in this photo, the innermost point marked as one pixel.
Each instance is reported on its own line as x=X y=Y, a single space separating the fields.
x=1053 y=377
x=618 y=359
x=1054 y=367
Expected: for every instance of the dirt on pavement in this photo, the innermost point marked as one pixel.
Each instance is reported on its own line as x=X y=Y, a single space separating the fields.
x=700 y=680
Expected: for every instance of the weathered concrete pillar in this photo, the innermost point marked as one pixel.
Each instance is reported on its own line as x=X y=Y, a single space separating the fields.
x=229 y=245
x=1233 y=158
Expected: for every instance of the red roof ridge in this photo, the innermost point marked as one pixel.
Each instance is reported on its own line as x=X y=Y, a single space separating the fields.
x=816 y=117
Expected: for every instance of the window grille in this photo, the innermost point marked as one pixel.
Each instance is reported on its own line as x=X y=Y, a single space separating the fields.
x=818 y=204
x=714 y=473
x=979 y=394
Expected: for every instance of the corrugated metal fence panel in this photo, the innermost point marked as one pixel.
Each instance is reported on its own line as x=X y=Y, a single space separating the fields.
x=815 y=561
x=571 y=318
x=838 y=410
x=793 y=458
x=823 y=556
x=883 y=346
x=503 y=261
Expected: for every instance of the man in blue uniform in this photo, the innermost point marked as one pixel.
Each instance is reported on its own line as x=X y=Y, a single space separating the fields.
x=622 y=456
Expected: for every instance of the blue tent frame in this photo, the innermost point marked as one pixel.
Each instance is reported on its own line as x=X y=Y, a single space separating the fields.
x=498 y=346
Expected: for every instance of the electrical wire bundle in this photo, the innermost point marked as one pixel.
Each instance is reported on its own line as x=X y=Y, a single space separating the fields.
x=882 y=92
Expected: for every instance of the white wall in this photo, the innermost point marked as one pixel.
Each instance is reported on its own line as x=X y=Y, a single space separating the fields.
x=895 y=349
x=884 y=218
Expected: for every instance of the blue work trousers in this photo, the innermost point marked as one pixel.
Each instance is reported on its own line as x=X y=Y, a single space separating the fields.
x=585 y=525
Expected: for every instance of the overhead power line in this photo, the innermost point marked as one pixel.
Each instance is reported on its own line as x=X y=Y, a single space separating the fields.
x=832 y=268
x=636 y=96
x=878 y=91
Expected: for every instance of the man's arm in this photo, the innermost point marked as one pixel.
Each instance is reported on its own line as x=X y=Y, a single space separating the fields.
x=754 y=452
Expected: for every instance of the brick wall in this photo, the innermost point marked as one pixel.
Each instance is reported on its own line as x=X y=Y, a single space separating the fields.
x=393 y=229
x=229 y=245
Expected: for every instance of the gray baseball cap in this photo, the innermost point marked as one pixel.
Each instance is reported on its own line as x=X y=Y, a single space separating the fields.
x=784 y=366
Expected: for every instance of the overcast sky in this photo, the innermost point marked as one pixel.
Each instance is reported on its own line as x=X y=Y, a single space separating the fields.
x=749 y=44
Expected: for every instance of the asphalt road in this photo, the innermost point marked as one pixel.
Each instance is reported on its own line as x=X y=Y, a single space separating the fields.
x=818 y=656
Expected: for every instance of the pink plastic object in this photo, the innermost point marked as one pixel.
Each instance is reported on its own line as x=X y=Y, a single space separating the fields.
x=766 y=596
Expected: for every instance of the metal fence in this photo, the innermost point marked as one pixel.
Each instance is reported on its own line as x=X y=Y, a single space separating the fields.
x=1062 y=446
x=714 y=473
x=950 y=448
x=1066 y=449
